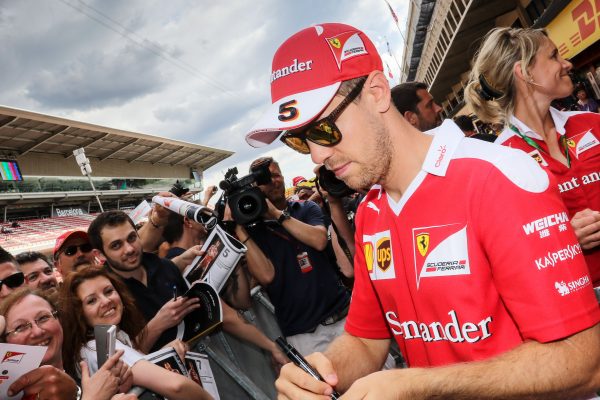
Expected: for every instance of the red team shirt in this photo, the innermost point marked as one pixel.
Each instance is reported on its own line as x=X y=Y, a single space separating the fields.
x=579 y=185
x=457 y=270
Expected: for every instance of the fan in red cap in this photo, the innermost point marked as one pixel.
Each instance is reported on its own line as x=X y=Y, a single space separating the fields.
x=307 y=71
x=297 y=180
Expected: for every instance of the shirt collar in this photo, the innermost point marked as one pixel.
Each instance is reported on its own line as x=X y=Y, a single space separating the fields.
x=559 y=118
x=445 y=142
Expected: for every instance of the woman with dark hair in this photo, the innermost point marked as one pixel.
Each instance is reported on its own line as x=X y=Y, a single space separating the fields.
x=516 y=75
x=101 y=298
x=32 y=319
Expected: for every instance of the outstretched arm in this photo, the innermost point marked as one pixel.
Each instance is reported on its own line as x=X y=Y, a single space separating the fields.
x=314 y=236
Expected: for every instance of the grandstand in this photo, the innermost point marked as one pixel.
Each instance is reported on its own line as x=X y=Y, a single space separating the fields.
x=54 y=196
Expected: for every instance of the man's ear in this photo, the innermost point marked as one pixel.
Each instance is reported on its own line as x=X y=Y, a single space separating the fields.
x=412 y=118
x=379 y=88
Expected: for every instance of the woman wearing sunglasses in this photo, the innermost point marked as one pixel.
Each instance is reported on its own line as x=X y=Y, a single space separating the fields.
x=32 y=319
x=515 y=77
x=94 y=297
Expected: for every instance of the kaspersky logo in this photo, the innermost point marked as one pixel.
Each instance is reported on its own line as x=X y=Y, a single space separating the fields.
x=378 y=254
x=440 y=251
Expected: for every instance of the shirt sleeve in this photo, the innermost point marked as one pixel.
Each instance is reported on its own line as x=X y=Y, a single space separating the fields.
x=311 y=214
x=537 y=264
x=88 y=354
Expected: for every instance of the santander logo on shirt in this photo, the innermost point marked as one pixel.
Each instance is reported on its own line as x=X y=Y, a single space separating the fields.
x=454 y=330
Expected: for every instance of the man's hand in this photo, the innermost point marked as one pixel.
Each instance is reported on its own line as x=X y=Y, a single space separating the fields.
x=294 y=383
x=46 y=382
x=160 y=215
x=382 y=385
x=186 y=258
x=174 y=311
x=180 y=347
x=209 y=192
x=114 y=376
x=586 y=224
x=272 y=212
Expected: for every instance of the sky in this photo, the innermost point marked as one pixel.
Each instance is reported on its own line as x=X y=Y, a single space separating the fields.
x=190 y=70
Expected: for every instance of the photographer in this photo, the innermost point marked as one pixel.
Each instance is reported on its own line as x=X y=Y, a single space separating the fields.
x=310 y=303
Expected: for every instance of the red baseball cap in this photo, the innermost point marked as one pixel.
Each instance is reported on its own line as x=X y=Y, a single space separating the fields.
x=66 y=236
x=297 y=180
x=307 y=71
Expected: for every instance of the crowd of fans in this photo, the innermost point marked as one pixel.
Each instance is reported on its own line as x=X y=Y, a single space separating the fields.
x=302 y=251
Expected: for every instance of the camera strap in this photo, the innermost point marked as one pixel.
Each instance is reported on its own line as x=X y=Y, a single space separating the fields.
x=301 y=255
x=340 y=239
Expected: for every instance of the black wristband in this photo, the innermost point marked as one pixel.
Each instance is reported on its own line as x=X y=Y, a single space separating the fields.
x=284 y=216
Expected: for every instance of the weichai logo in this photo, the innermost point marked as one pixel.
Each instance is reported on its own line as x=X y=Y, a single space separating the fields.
x=384 y=254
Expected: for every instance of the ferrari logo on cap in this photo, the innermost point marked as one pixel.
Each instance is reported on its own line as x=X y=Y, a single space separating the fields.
x=335 y=42
x=423 y=243
x=345 y=46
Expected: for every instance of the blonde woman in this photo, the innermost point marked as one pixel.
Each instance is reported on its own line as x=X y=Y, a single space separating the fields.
x=516 y=75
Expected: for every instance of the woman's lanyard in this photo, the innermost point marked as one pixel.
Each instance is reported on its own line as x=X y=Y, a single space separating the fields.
x=533 y=143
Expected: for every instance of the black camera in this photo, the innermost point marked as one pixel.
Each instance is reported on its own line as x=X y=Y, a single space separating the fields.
x=178 y=190
x=246 y=201
x=333 y=185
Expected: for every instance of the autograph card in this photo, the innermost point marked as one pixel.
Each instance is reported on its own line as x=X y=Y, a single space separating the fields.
x=16 y=360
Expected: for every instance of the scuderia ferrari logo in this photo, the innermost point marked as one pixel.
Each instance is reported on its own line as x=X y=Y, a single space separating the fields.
x=423 y=243
x=440 y=251
x=335 y=42
x=378 y=254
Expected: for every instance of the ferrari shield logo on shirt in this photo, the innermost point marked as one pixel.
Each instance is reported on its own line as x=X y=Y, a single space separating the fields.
x=423 y=243
x=537 y=156
x=440 y=251
x=583 y=142
x=346 y=45
x=378 y=254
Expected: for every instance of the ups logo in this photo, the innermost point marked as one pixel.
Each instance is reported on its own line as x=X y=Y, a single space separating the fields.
x=384 y=254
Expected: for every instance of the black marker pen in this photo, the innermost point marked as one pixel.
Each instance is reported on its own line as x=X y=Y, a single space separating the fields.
x=300 y=362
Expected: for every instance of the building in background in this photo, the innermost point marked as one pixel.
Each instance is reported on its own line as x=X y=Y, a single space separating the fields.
x=42 y=186
x=442 y=37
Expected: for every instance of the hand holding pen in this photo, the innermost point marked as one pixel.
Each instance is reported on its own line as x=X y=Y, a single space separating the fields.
x=174 y=310
x=301 y=362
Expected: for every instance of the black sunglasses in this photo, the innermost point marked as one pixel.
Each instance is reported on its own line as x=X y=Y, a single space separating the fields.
x=323 y=132
x=13 y=281
x=72 y=250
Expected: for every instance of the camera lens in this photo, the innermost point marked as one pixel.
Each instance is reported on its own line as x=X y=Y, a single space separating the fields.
x=248 y=205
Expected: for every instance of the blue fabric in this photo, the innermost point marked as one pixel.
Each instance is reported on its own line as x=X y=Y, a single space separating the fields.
x=302 y=300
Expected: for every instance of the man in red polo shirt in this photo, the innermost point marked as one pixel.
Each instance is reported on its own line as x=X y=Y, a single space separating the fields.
x=449 y=259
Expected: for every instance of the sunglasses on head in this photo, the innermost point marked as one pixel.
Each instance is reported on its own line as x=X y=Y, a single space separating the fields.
x=72 y=250
x=13 y=281
x=323 y=132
